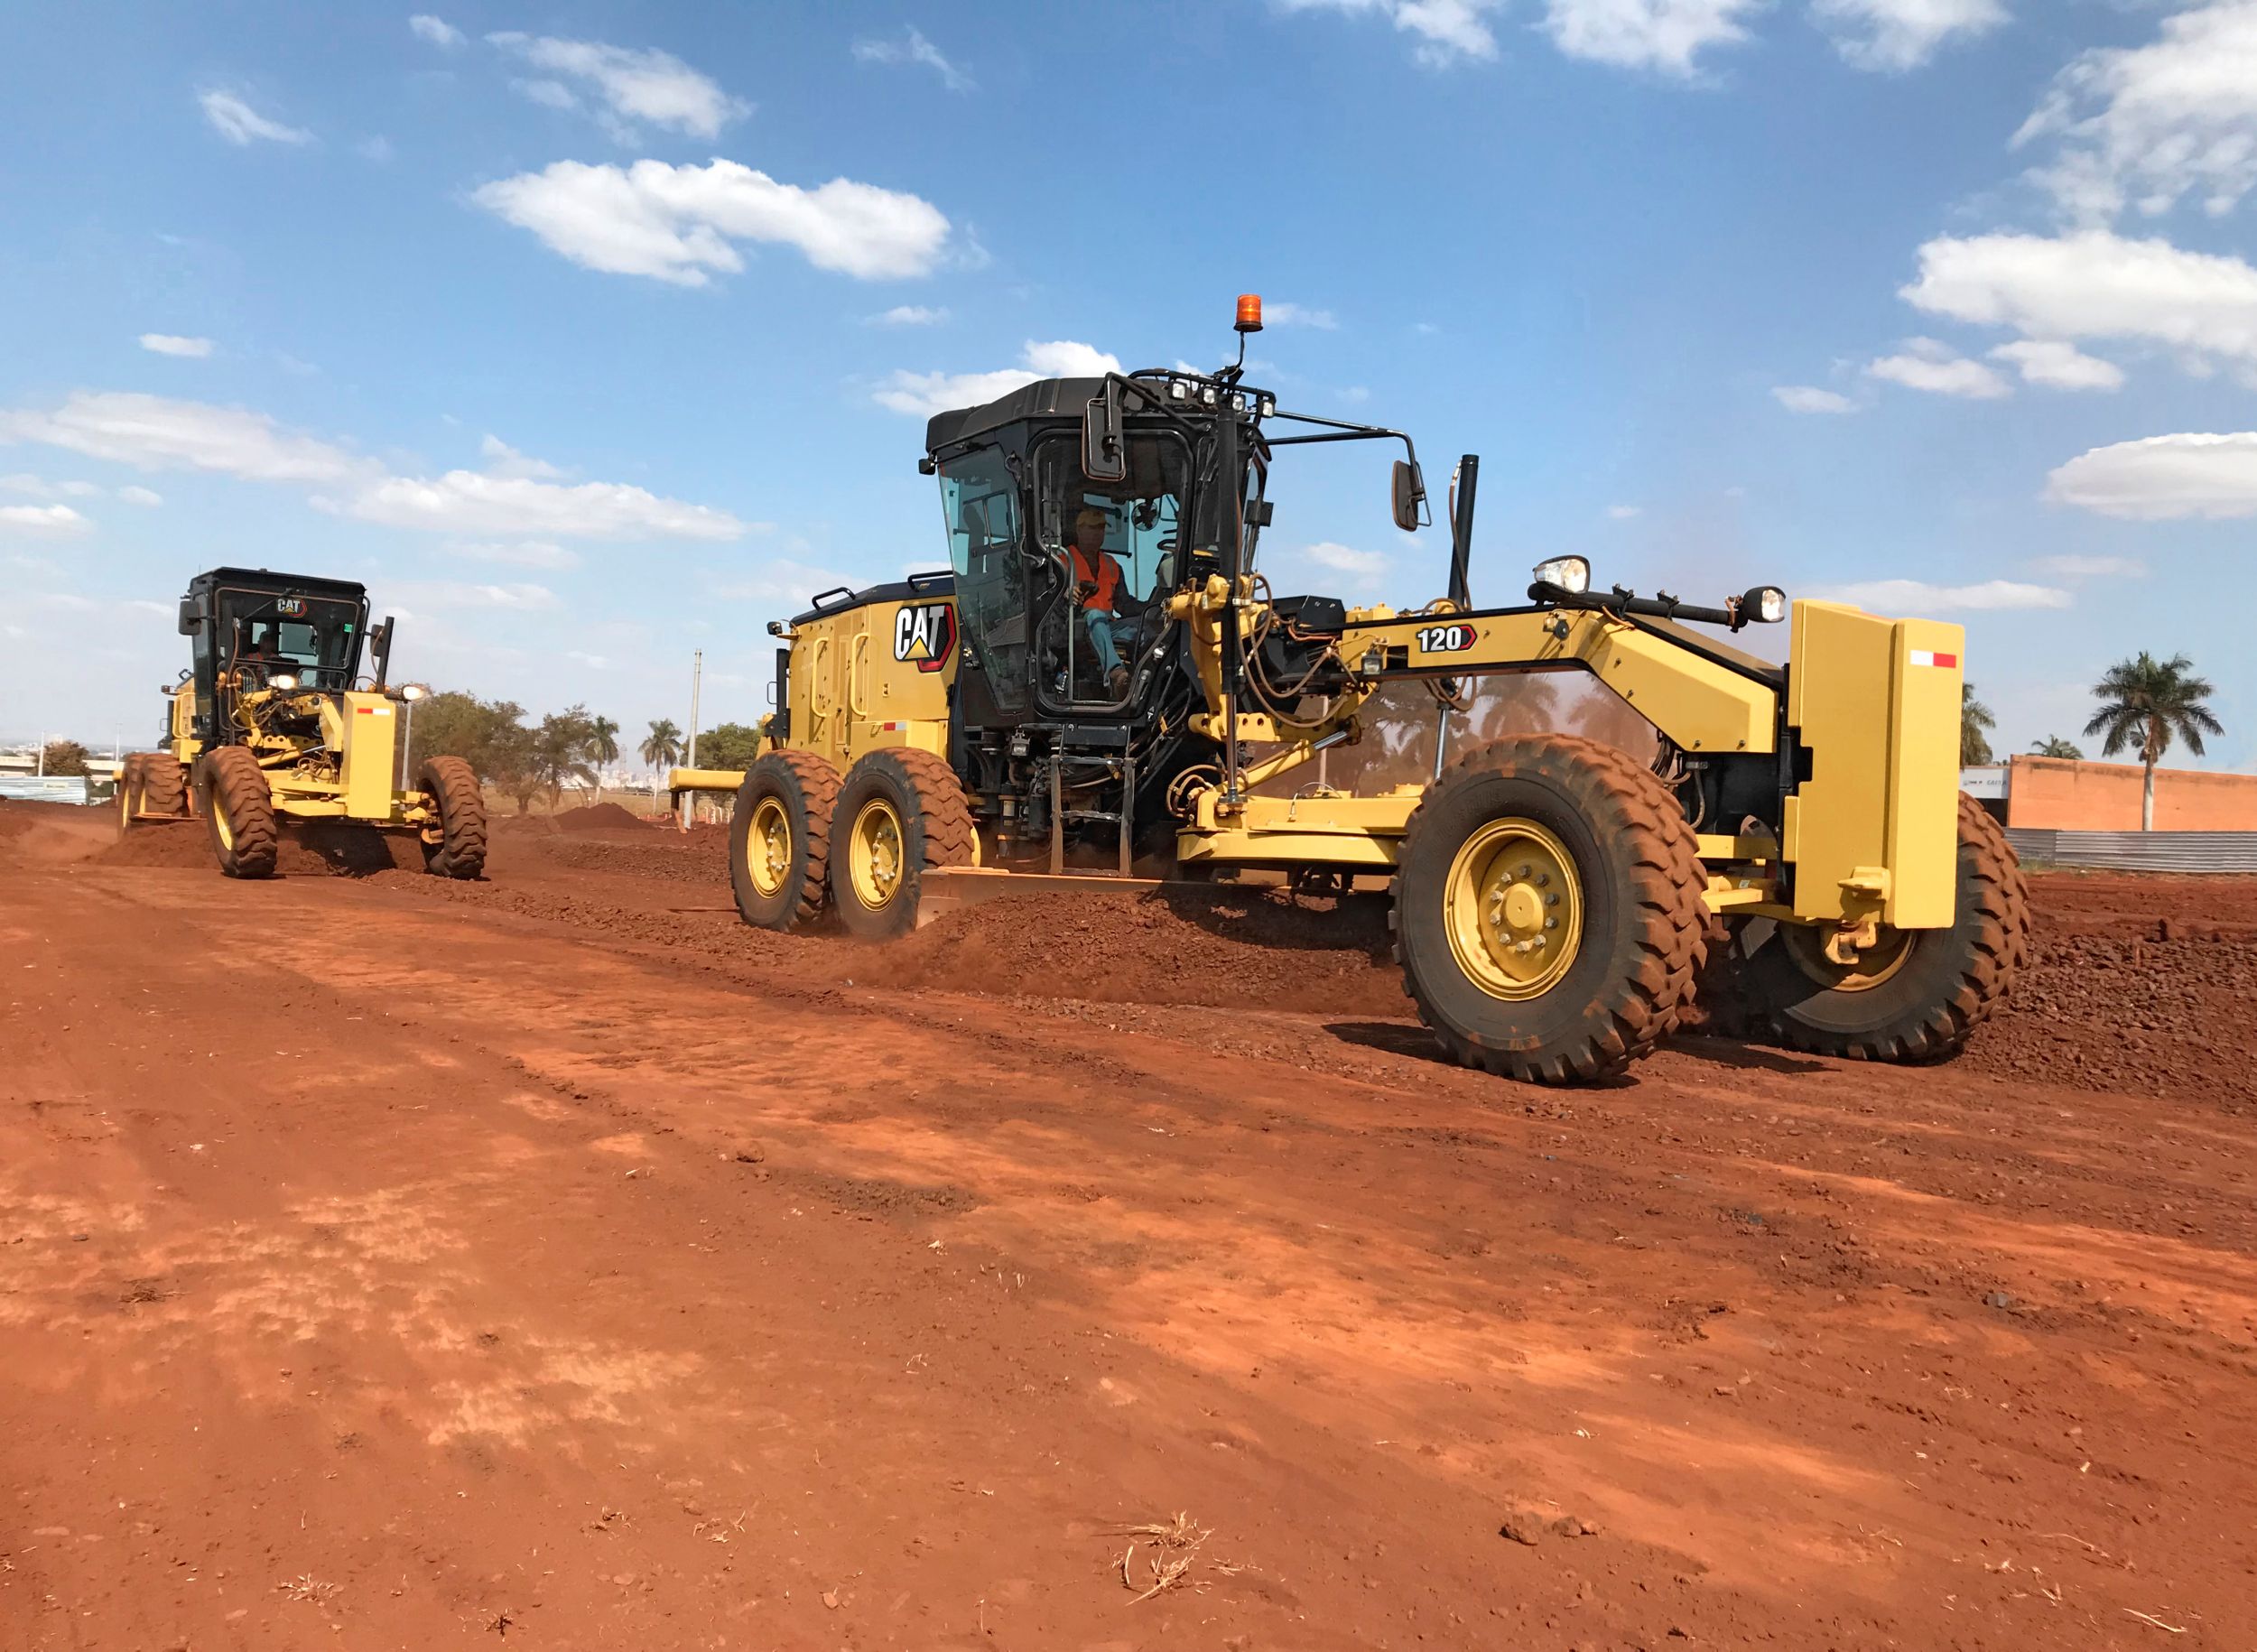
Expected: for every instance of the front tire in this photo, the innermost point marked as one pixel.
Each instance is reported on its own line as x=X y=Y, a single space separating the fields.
x=163 y=789
x=1919 y=996
x=1549 y=911
x=452 y=785
x=128 y=791
x=780 y=840
x=901 y=813
x=239 y=808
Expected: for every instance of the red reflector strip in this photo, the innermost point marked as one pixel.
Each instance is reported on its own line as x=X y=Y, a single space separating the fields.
x=1923 y=656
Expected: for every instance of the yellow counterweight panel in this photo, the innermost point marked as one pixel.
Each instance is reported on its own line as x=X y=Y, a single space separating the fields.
x=873 y=676
x=367 y=732
x=1873 y=832
x=1701 y=705
x=1324 y=829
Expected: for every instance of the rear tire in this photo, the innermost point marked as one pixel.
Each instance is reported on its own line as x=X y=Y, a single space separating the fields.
x=239 y=808
x=1549 y=911
x=780 y=840
x=163 y=786
x=900 y=813
x=1921 y=1005
x=128 y=791
x=452 y=785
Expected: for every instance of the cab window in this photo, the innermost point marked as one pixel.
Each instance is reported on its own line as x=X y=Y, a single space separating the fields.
x=979 y=509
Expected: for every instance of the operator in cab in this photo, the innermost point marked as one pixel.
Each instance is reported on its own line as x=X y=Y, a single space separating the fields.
x=1103 y=589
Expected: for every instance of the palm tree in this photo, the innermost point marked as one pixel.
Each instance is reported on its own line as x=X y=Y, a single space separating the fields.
x=1974 y=717
x=662 y=748
x=2146 y=701
x=603 y=747
x=2054 y=745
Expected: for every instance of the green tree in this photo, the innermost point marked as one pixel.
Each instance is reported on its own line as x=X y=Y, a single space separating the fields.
x=562 y=749
x=1975 y=720
x=661 y=748
x=603 y=747
x=62 y=758
x=481 y=732
x=2054 y=745
x=2146 y=702
x=728 y=745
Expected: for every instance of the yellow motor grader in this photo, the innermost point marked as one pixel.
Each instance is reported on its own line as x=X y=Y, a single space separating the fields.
x=273 y=720
x=1104 y=672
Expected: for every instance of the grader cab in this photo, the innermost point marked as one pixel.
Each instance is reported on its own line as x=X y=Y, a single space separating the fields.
x=273 y=720
x=1103 y=676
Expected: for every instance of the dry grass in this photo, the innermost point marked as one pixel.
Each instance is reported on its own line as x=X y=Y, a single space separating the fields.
x=1175 y=1551
x=307 y=1587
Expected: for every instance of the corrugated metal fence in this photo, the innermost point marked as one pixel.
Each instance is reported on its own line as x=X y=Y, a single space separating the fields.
x=46 y=789
x=2140 y=852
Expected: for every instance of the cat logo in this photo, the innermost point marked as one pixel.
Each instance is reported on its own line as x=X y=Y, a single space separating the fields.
x=290 y=605
x=925 y=633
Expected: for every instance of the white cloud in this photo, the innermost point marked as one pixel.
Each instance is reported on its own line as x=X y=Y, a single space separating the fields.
x=473 y=502
x=909 y=315
x=158 y=433
x=677 y=223
x=1343 y=559
x=172 y=344
x=502 y=459
x=436 y=30
x=523 y=553
x=2059 y=365
x=2163 y=478
x=1444 y=32
x=635 y=84
x=1625 y=513
x=135 y=494
x=240 y=123
x=515 y=499
x=2094 y=286
x=548 y=94
x=1659 y=34
x=913 y=48
x=593 y=662
x=927 y=394
x=438 y=594
x=783 y=582
x=2089 y=567
x=49 y=521
x=38 y=488
x=1935 y=367
x=1809 y=399
x=2147 y=125
x=1287 y=314
x=1899 y=34
x=1914 y=596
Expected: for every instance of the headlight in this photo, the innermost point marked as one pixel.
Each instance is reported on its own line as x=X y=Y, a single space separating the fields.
x=1570 y=573
x=282 y=680
x=1766 y=604
x=412 y=690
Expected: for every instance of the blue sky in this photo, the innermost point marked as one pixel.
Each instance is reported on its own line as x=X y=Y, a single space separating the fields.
x=591 y=335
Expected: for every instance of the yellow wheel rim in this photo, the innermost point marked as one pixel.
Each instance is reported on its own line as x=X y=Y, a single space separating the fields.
x=768 y=846
x=1805 y=943
x=1513 y=910
x=874 y=854
x=125 y=802
x=219 y=819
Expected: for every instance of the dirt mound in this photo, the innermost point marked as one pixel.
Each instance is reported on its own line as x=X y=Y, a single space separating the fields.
x=313 y=849
x=598 y=817
x=1229 y=948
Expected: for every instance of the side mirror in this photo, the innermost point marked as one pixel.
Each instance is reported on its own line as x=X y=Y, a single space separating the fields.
x=380 y=649
x=1409 y=496
x=192 y=622
x=1104 y=452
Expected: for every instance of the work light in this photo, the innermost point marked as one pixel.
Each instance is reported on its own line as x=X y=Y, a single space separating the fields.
x=1766 y=604
x=1570 y=573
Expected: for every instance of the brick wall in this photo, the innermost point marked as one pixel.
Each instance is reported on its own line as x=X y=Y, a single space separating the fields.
x=2049 y=792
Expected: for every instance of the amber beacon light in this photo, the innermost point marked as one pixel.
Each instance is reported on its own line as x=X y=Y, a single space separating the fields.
x=1249 y=312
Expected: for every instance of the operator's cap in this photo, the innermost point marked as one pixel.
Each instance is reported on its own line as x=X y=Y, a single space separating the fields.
x=1091 y=514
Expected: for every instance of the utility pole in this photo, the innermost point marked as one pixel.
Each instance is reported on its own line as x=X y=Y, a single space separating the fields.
x=41 y=770
x=697 y=676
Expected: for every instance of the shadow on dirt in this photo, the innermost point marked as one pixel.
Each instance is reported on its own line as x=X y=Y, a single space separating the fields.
x=1742 y=1057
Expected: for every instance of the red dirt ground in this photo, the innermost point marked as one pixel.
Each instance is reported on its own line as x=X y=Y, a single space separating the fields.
x=387 y=1262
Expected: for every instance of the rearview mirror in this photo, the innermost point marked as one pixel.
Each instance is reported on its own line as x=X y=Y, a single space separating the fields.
x=380 y=649
x=1104 y=452
x=1409 y=496
x=192 y=621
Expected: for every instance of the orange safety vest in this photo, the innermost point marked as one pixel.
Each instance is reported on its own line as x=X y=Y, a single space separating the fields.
x=1106 y=577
